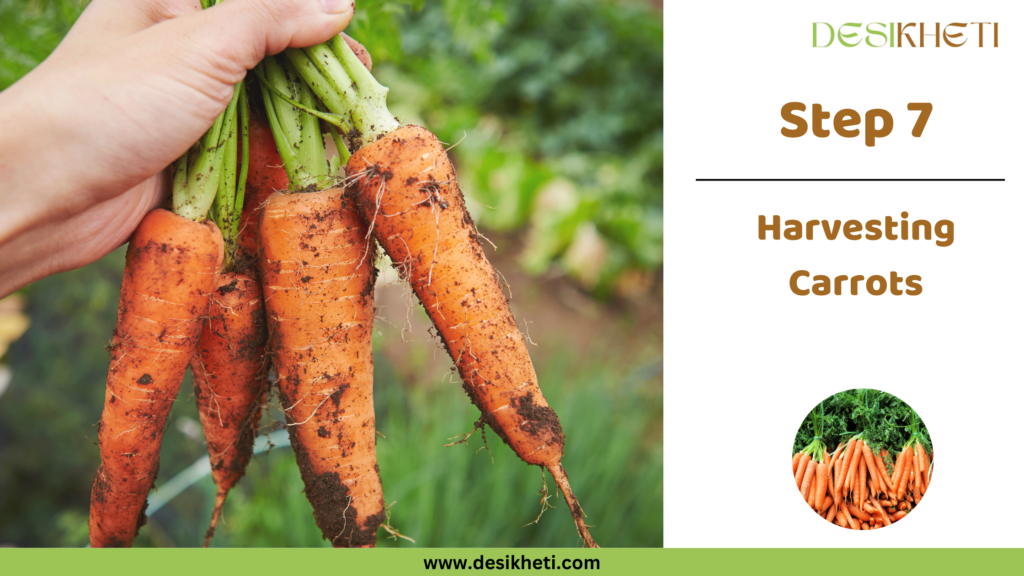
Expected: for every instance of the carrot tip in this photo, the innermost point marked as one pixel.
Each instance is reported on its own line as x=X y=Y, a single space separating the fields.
x=574 y=506
x=217 y=508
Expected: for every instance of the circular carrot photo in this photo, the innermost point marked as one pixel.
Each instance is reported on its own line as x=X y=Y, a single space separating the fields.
x=862 y=459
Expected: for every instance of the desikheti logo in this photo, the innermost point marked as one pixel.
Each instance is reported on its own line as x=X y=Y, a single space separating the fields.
x=906 y=35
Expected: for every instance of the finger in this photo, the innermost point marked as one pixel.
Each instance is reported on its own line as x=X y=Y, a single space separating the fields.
x=220 y=44
x=360 y=51
x=176 y=77
x=105 y=21
x=287 y=23
x=162 y=88
x=64 y=245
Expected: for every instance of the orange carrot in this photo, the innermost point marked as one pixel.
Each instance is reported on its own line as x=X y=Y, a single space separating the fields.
x=881 y=513
x=796 y=461
x=172 y=266
x=922 y=484
x=835 y=461
x=869 y=460
x=882 y=473
x=820 y=487
x=831 y=513
x=807 y=480
x=827 y=463
x=801 y=467
x=905 y=478
x=862 y=475
x=916 y=467
x=845 y=509
x=897 y=470
x=855 y=455
x=856 y=485
x=897 y=477
x=405 y=186
x=844 y=470
x=266 y=175
x=318 y=285
x=230 y=380
x=859 y=513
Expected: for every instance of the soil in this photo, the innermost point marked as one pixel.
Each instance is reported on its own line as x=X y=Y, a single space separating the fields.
x=332 y=506
x=539 y=419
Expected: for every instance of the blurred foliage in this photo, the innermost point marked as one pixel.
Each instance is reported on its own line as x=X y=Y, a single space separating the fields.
x=555 y=107
x=886 y=421
x=13 y=323
x=29 y=31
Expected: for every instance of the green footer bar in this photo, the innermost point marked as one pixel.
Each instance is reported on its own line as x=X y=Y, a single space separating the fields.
x=631 y=562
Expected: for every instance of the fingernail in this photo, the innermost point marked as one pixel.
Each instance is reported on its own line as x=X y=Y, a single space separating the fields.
x=337 y=6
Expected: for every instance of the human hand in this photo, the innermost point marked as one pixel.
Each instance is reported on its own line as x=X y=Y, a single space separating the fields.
x=88 y=134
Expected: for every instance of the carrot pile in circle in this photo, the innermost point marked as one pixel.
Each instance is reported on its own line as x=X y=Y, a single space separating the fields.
x=860 y=488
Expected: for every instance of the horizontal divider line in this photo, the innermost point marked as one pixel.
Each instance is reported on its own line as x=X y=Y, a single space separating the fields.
x=851 y=179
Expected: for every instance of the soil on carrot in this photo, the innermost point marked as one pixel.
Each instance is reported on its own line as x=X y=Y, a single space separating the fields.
x=209 y=533
x=354 y=139
x=250 y=346
x=243 y=454
x=101 y=489
x=538 y=419
x=180 y=249
x=228 y=288
x=332 y=505
x=247 y=262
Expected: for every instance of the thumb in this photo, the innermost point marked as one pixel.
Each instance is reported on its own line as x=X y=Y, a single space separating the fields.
x=214 y=48
x=251 y=29
x=172 y=79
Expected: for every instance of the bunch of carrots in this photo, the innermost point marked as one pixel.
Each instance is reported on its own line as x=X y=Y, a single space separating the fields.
x=858 y=486
x=268 y=258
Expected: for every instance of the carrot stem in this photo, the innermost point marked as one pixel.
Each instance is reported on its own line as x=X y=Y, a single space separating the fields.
x=346 y=88
x=296 y=132
x=206 y=179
